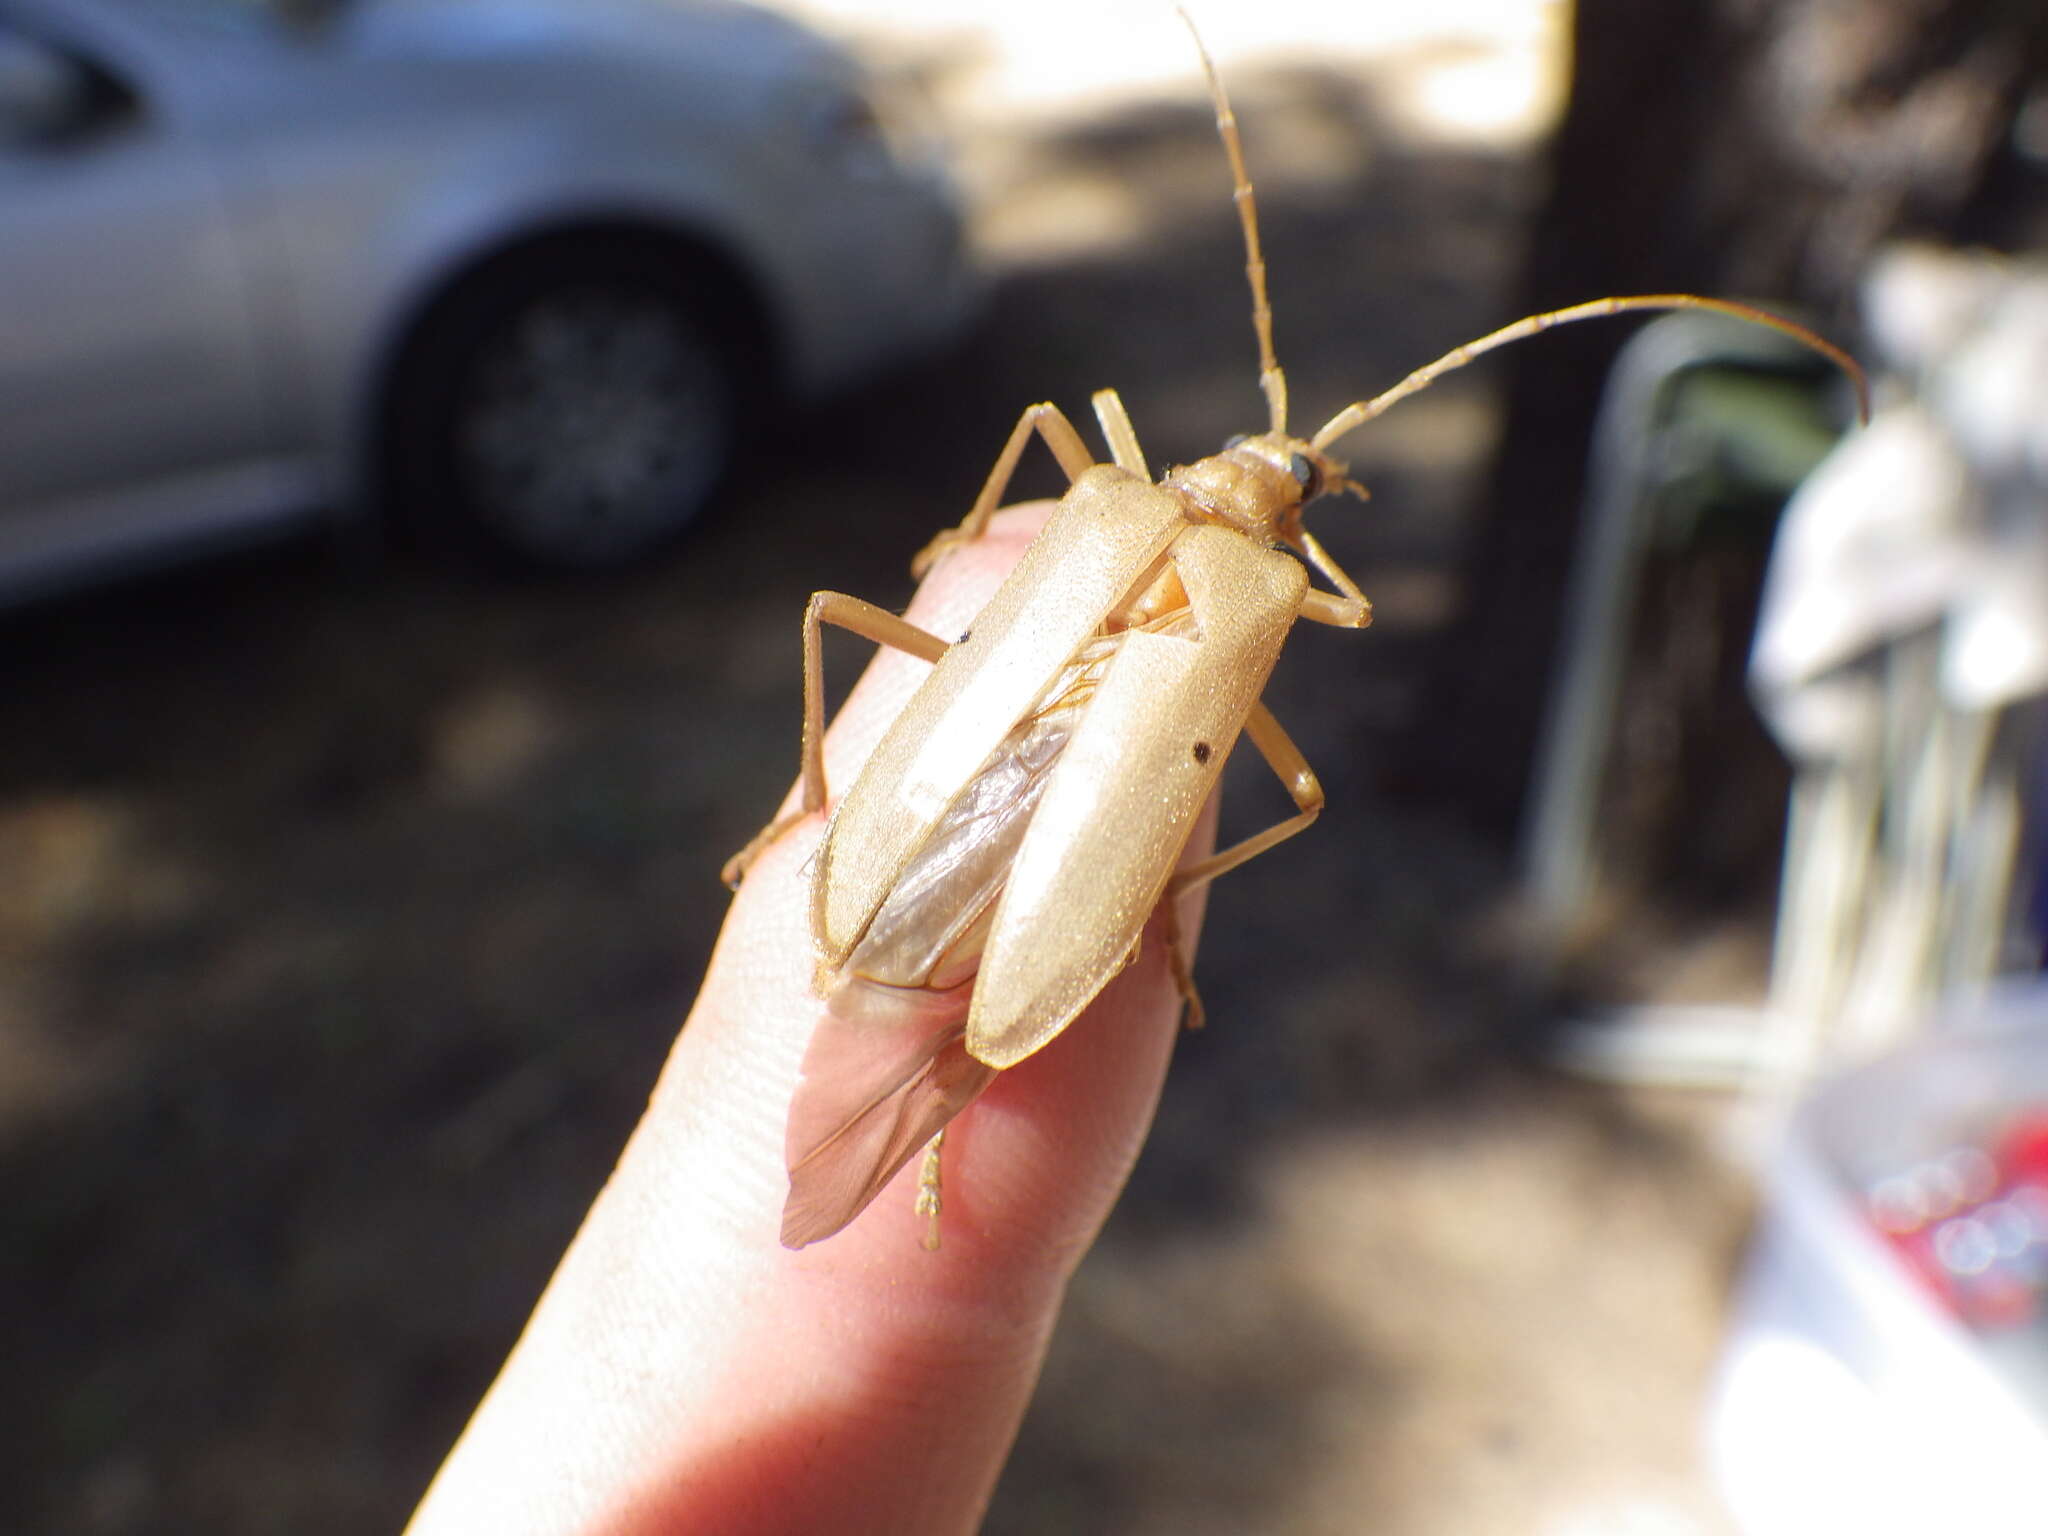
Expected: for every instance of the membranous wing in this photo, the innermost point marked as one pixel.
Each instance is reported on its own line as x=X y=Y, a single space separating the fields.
x=929 y=931
x=887 y=1067
x=885 y=1071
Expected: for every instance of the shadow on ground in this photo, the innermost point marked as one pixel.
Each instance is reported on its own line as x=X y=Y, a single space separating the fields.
x=351 y=911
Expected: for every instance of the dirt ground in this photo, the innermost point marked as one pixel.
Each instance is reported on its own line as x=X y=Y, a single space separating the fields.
x=350 y=908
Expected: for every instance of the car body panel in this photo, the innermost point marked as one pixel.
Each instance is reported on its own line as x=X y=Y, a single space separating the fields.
x=211 y=288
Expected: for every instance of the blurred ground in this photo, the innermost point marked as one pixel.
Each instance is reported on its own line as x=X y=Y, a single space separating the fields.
x=349 y=911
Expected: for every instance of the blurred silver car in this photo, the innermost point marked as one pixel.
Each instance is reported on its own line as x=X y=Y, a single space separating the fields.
x=519 y=271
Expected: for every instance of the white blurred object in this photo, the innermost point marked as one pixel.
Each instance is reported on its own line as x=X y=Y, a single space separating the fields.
x=1901 y=646
x=1846 y=1400
x=1876 y=545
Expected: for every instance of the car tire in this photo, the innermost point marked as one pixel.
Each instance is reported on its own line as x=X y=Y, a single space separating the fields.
x=570 y=409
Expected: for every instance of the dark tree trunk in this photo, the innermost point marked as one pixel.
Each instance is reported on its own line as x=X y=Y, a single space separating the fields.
x=1755 y=148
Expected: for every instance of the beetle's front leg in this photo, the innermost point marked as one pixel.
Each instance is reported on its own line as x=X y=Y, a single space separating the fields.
x=870 y=623
x=1050 y=423
x=1352 y=609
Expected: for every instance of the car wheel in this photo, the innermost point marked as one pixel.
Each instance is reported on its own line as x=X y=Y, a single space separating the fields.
x=573 y=412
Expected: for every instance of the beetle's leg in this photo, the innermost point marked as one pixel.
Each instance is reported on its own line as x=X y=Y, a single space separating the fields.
x=928 y=1191
x=870 y=623
x=1120 y=434
x=1340 y=612
x=1285 y=759
x=1050 y=423
x=1352 y=610
x=1177 y=962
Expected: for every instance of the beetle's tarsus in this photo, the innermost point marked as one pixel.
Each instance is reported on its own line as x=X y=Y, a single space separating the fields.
x=735 y=868
x=1193 y=1015
x=928 y=1198
x=941 y=545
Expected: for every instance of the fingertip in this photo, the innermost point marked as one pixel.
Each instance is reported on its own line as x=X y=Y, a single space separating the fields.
x=678 y=1328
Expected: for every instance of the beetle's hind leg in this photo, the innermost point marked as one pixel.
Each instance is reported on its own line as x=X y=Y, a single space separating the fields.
x=1193 y=1015
x=870 y=623
x=1285 y=759
x=1050 y=423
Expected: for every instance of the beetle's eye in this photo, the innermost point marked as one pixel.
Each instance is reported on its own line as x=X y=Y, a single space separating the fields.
x=1304 y=473
x=1231 y=442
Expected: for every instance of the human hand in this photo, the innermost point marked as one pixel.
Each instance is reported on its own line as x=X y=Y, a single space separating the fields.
x=685 y=1372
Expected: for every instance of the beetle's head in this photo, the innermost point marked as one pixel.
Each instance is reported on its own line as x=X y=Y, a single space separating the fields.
x=1259 y=484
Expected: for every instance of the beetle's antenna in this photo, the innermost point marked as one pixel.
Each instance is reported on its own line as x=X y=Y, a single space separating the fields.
x=1271 y=379
x=1354 y=416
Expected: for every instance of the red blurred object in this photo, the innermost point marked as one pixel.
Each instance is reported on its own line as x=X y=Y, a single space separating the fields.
x=2023 y=1149
x=1972 y=1225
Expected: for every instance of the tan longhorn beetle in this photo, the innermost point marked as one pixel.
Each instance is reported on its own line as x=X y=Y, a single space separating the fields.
x=993 y=864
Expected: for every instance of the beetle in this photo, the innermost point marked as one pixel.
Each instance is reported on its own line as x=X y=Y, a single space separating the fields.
x=994 y=862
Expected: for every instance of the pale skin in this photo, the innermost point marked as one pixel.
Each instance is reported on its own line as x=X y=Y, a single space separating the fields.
x=686 y=1372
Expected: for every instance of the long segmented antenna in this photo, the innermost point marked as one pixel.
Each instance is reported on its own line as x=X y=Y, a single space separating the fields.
x=1271 y=379
x=1357 y=415
x=1274 y=383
